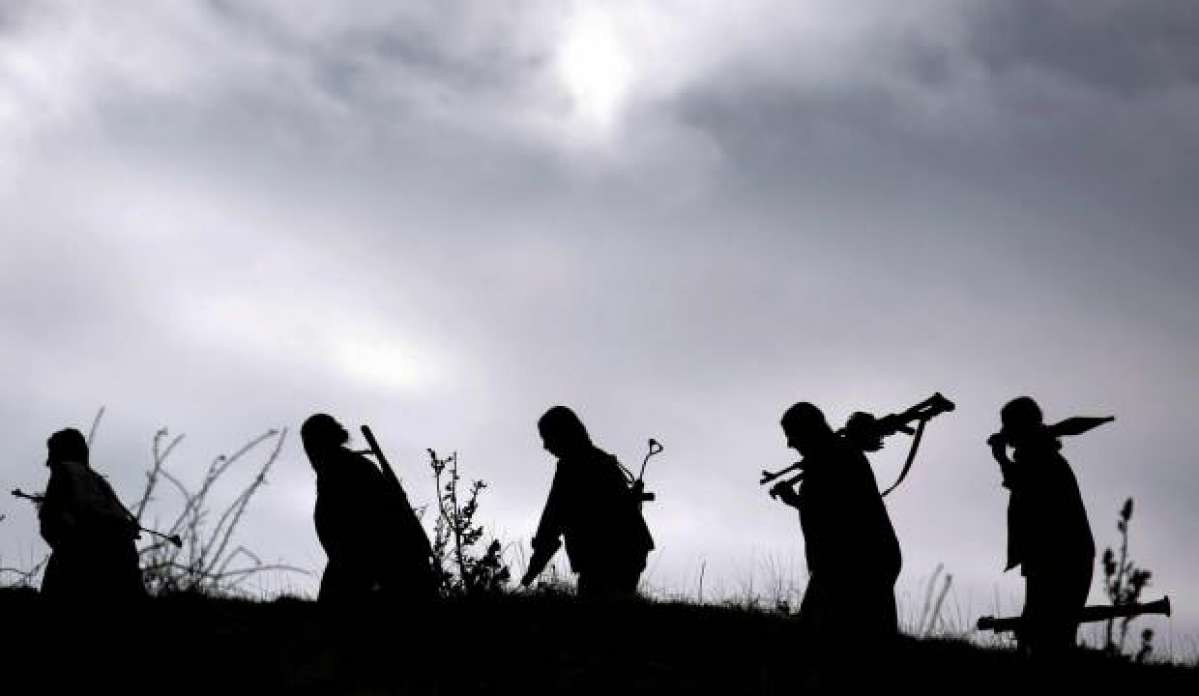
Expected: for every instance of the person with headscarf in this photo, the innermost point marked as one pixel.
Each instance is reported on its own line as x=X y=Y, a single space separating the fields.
x=90 y=532
x=852 y=552
x=1049 y=535
x=592 y=506
x=375 y=544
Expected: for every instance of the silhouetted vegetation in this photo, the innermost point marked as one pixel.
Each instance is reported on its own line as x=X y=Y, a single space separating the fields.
x=464 y=566
x=1124 y=582
x=209 y=560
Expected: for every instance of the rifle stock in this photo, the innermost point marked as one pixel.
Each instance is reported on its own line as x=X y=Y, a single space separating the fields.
x=1087 y=615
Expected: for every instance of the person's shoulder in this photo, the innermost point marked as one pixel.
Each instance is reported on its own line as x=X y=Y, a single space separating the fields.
x=71 y=469
x=842 y=455
x=602 y=455
x=606 y=461
x=345 y=464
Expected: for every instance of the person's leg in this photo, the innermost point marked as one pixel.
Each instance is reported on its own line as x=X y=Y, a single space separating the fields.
x=52 y=577
x=608 y=585
x=1030 y=635
x=626 y=583
x=1072 y=594
x=1053 y=600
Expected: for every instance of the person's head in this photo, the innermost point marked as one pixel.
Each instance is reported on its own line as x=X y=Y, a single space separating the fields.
x=1021 y=418
x=322 y=433
x=562 y=432
x=806 y=429
x=67 y=445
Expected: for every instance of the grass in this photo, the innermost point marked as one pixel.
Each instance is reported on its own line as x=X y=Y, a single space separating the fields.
x=506 y=643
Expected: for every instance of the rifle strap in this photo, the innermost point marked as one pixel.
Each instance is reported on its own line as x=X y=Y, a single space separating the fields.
x=907 y=465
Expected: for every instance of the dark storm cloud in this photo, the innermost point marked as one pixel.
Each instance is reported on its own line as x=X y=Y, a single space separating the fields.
x=1126 y=48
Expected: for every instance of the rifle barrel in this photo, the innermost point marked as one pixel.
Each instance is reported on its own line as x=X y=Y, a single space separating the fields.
x=1087 y=615
x=768 y=476
x=18 y=493
x=376 y=450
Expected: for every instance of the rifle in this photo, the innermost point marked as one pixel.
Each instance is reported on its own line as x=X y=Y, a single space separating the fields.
x=1088 y=614
x=1076 y=425
x=173 y=538
x=865 y=430
x=388 y=472
x=397 y=488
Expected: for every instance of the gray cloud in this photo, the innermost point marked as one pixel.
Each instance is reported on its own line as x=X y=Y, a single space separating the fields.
x=1125 y=48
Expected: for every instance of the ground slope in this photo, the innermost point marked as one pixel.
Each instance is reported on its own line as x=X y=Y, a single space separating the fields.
x=514 y=644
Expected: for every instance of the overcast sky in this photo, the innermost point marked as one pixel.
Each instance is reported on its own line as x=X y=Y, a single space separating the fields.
x=676 y=217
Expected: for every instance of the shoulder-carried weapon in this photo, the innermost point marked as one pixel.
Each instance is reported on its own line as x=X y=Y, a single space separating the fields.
x=1088 y=614
x=385 y=465
x=865 y=428
x=173 y=538
x=397 y=488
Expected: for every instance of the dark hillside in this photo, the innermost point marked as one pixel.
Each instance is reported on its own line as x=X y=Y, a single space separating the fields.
x=511 y=644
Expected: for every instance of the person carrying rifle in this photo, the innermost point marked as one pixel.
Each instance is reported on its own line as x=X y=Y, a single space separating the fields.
x=592 y=506
x=90 y=532
x=375 y=544
x=852 y=552
x=1049 y=535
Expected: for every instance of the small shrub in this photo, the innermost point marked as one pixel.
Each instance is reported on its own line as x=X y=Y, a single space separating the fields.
x=1124 y=582
x=457 y=537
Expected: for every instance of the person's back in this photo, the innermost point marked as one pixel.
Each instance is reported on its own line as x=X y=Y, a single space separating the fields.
x=851 y=548
x=1049 y=535
x=1051 y=508
x=845 y=522
x=600 y=521
x=90 y=533
x=369 y=533
x=591 y=505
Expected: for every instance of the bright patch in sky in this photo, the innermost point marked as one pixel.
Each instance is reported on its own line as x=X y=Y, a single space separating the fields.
x=383 y=364
x=595 y=69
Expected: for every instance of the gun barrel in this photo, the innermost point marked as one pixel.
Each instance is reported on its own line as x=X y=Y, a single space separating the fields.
x=1087 y=615
x=768 y=476
x=18 y=493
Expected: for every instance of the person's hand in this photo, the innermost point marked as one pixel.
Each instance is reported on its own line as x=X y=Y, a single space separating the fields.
x=784 y=492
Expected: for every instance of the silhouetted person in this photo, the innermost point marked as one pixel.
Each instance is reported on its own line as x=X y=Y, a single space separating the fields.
x=852 y=553
x=1049 y=535
x=374 y=541
x=591 y=505
x=90 y=532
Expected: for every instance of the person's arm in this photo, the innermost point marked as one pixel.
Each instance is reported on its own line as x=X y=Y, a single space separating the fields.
x=57 y=518
x=545 y=541
x=999 y=452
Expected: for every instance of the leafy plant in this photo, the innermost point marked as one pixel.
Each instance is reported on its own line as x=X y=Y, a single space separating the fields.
x=1124 y=582
x=457 y=537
